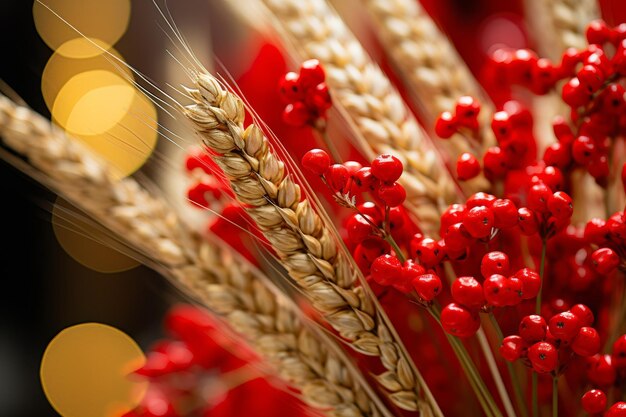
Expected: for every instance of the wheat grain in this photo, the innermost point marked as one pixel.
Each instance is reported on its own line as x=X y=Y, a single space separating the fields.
x=306 y=247
x=375 y=108
x=433 y=72
x=209 y=272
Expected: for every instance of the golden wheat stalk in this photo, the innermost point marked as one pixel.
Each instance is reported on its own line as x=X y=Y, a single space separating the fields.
x=381 y=119
x=432 y=71
x=306 y=246
x=209 y=272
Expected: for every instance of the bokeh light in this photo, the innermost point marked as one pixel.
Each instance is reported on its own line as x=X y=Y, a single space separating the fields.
x=105 y=21
x=84 y=371
x=80 y=240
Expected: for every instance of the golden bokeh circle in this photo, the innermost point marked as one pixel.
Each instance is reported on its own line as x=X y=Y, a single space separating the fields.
x=84 y=371
x=60 y=69
x=103 y=20
x=81 y=240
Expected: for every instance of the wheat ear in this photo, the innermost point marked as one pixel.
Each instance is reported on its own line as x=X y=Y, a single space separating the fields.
x=208 y=272
x=378 y=113
x=305 y=245
x=433 y=72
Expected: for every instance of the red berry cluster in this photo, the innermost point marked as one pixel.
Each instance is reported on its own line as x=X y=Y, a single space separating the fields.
x=351 y=178
x=548 y=347
x=465 y=115
x=387 y=270
x=466 y=225
x=499 y=289
x=610 y=236
x=306 y=95
x=546 y=213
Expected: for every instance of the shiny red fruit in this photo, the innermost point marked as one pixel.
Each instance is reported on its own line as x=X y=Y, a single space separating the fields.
x=511 y=348
x=459 y=321
x=467 y=167
x=594 y=401
x=468 y=291
x=387 y=168
x=533 y=329
x=564 y=326
x=494 y=263
x=543 y=356
x=386 y=270
x=587 y=342
x=316 y=161
x=427 y=286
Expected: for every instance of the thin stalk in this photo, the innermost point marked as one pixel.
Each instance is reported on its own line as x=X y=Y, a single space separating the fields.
x=534 y=388
x=321 y=130
x=555 y=396
x=541 y=268
x=480 y=389
x=395 y=247
x=517 y=387
x=495 y=373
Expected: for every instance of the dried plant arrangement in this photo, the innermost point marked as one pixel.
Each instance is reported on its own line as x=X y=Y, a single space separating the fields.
x=387 y=216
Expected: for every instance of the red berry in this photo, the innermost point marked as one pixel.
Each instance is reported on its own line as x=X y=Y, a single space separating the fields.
x=504 y=213
x=564 y=326
x=359 y=228
x=587 y=342
x=478 y=222
x=410 y=271
x=317 y=161
x=494 y=263
x=533 y=329
x=427 y=286
x=290 y=88
x=619 y=59
x=457 y=238
x=453 y=214
x=584 y=314
x=466 y=112
x=574 y=94
x=427 y=251
x=501 y=125
x=386 y=270
x=596 y=230
x=501 y=291
x=594 y=401
x=468 y=291
x=392 y=195
x=446 y=125
x=353 y=167
x=583 y=150
x=591 y=78
x=538 y=197
x=604 y=260
x=296 y=114
x=494 y=162
x=557 y=155
x=527 y=221
x=531 y=282
x=480 y=199
x=318 y=99
x=619 y=352
x=601 y=370
x=365 y=179
x=617 y=410
x=337 y=177
x=467 y=166
x=543 y=356
x=311 y=73
x=598 y=32
x=459 y=321
x=511 y=348
x=387 y=168
x=560 y=205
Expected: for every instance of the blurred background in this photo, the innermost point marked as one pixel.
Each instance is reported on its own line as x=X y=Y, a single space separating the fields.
x=55 y=278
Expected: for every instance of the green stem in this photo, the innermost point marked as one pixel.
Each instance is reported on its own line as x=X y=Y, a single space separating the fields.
x=517 y=387
x=534 y=388
x=541 y=268
x=478 y=385
x=555 y=396
x=395 y=247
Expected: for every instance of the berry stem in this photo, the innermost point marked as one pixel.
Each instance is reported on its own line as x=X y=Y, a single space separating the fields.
x=517 y=387
x=535 y=397
x=478 y=385
x=495 y=373
x=555 y=396
x=395 y=247
x=541 y=269
x=320 y=128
